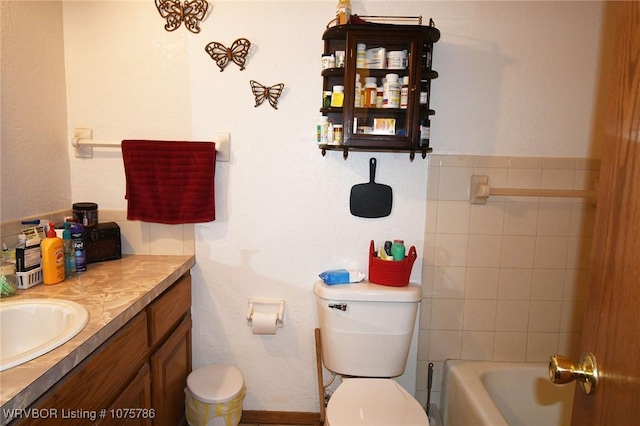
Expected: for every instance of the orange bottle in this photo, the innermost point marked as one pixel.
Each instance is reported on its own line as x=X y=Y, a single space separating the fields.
x=52 y=257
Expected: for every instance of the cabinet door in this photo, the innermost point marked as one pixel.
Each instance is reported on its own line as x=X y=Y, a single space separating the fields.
x=133 y=406
x=170 y=366
x=98 y=381
x=376 y=58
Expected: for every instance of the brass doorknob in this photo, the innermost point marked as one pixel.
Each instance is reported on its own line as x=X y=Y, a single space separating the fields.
x=562 y=370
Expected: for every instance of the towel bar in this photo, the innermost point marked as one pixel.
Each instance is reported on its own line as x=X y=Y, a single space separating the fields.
x=83 y=144
x=480 y=191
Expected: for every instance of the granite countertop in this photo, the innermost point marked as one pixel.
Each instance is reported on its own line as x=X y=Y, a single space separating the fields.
x=113 y=292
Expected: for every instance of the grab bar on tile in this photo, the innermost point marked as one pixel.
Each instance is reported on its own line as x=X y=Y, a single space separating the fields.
x=83 y=144
x=481 y=191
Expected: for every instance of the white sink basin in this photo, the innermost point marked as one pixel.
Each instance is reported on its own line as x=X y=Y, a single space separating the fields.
x=32 y=327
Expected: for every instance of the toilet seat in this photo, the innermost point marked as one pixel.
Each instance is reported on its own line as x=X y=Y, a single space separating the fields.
x=374 y=402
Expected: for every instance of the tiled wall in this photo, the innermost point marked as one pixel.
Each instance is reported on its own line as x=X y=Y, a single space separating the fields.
x=137 y=237
x=504 y=281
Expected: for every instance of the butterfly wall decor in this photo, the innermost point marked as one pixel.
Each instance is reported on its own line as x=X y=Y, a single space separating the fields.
x=237 y=53
x=175 y=12
x=270 y=93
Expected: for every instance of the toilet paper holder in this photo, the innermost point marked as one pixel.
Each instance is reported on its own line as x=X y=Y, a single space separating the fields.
x=267 y=306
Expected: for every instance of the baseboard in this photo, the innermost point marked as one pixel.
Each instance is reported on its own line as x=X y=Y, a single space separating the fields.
x=280 y=417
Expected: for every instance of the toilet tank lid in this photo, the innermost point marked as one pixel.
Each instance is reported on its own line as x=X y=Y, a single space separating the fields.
x=366 y=291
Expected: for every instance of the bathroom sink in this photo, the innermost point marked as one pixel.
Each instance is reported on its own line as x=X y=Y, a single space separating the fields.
x=32 y=327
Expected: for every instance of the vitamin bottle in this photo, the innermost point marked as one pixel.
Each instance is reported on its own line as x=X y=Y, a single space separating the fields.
x=343 y=12
x=404 y=92
x=391 y=92
x=425 y=132
x=370 y=92
x=337 y=96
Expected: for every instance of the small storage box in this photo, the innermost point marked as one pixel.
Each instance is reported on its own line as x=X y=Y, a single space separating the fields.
x=391 y=273
x=102 y=242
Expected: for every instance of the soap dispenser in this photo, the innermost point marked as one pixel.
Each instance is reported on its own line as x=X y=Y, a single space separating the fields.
x=52 y=257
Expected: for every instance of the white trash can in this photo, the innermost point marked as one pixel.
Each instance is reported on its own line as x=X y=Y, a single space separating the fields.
x=214 y=396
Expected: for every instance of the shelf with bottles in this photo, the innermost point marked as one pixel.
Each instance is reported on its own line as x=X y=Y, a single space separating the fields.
x=386 y=62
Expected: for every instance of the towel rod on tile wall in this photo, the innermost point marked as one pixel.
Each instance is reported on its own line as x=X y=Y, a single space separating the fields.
x=480 y=191
x=83 y=144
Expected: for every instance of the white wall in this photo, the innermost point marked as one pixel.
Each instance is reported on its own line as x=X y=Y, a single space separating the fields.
x=35 y=169
x=516 y=78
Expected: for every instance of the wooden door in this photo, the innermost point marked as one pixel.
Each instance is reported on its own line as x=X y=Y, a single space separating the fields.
x=611 y=328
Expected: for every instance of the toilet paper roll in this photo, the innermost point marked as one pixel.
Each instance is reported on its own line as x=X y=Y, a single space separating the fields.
x=263 y=323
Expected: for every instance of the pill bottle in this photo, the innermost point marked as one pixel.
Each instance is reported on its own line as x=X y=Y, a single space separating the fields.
x=338 y=134
x=326 y=98
x=322 y=129
x=370 y=92
x=343 y=12
x=380 y=97
x=337 y=96
x=340 y=58
x=361 y=55
x=425 y=132
x=391 y=92
x=404 y=92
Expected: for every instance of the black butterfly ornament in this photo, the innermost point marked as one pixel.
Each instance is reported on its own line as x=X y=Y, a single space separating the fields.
x=237 y=53
x=270 y=93
x=175 y=12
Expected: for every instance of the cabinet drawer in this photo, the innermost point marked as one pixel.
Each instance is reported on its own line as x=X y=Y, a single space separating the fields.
x=167 y=311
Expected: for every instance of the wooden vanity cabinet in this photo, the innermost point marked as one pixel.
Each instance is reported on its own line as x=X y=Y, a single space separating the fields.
x=142 y=366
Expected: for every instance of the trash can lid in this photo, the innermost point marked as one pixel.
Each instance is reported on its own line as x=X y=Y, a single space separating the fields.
x=215 y=383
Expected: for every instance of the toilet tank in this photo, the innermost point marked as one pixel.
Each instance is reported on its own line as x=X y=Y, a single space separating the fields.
x=365 y=328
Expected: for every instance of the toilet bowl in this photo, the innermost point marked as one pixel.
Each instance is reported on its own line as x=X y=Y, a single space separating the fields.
x=374 y=402
x=365 y=333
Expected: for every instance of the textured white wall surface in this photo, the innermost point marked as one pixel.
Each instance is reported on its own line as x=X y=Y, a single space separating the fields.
x=35 y=165
x=516 y=78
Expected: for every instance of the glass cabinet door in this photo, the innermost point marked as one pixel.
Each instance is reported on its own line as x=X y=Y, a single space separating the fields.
x=381 y=85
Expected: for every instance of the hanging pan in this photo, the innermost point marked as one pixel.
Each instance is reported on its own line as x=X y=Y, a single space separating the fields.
x=371 y=200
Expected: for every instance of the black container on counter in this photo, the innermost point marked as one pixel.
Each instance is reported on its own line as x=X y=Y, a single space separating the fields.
x=103 y=242
x=85 y=214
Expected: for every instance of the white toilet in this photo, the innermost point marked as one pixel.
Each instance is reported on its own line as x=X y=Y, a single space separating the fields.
x=366 y=331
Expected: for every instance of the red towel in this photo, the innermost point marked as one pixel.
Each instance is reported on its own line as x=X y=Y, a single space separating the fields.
x=169 y=182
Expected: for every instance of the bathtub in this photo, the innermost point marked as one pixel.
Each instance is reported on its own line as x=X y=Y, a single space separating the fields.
x=503 y=394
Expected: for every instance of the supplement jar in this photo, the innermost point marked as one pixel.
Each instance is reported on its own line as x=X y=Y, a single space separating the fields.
x=85 y=214
x=338 y=134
